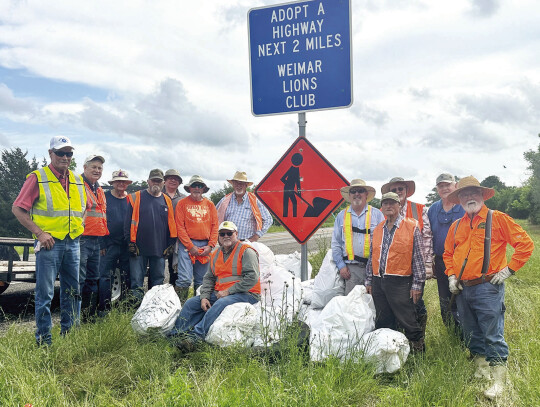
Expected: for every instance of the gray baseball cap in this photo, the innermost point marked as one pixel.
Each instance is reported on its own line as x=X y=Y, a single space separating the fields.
x=445 y=177
x=390 y=195
x=156 y=173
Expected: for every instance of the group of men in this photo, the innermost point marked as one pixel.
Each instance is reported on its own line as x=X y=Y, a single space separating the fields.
x=82 y=233
x=392 y=253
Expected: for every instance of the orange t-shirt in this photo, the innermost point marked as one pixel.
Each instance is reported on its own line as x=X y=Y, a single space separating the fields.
x=196 y=220
x=470 y=236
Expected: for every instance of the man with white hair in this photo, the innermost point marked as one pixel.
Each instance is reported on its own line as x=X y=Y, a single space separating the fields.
x=352 y=230
x=244 y=209
x=476 y=265
x=92 y=243
x=51 y=205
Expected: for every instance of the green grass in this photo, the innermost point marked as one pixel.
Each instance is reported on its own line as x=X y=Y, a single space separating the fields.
x=328 y=223
x=106 y=364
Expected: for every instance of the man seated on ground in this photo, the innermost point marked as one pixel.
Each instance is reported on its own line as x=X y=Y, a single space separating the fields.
x=233 y=277
x=395 y=272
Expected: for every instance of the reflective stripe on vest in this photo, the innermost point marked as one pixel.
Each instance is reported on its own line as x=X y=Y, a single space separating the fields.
x=252 y=202
x=96 y=218
x=56 y=211
x=229 y=272
x=399 y=257
x=415 y=211
x=135 y=201
x=348 y=233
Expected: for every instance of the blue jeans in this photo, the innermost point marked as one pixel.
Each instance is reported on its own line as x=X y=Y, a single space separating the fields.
x=63 y=258
x=137 y=272
x=481 y=311
x=187 y=271
x=449 y=316
x=115 y=256
x=192 y=316
x=89 y=265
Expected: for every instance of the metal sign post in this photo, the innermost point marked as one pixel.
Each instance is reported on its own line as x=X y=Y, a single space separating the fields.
x=304 y=253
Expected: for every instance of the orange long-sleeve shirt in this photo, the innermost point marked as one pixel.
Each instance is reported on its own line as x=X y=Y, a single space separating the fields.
x=471 y=234
x=196 y=220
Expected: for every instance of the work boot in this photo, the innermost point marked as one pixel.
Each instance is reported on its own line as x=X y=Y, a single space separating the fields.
x=499 y=382
x=418 y=346
x=482 y=367
x=182 y=293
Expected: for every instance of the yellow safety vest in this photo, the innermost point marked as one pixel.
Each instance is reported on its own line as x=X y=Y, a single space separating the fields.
x=56 y=212
x=348 y=233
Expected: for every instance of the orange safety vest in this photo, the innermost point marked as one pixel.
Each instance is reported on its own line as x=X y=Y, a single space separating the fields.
x=415 y=211
x=229 y=272
x=400 y=252
x=135 y=201
x=254 y=208
x=95 y=223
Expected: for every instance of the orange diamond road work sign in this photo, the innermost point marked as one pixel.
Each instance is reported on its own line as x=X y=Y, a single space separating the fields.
x=302 y=189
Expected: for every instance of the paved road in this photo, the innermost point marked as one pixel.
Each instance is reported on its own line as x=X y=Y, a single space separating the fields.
x=17 y=302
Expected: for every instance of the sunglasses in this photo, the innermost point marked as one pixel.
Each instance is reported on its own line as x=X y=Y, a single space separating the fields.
x=223 y=234
x=197 y=185
x=400 y=189
x=68 y=154
x=357 y=191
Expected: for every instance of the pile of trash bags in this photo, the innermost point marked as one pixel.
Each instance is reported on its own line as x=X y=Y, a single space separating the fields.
x=340 y=326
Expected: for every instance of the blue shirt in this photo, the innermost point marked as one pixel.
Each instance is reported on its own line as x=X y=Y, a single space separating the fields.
x=338 y=238
x=242 y=216
x=441 y=221
x=116 y=213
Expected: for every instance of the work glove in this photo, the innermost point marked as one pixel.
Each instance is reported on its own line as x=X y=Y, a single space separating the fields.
x=168 y=251
x=429 y=271
x=498 y=278
x=133 y=249
x=454 y=285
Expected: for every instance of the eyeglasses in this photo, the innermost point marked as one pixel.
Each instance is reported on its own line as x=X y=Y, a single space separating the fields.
x=157 y=180
x=400 y=189
x=197 y=185
x=68 y=154
x=357 y=191
x=223 y=234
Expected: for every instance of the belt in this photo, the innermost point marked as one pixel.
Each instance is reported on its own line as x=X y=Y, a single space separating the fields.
x=476 y=281
x=359 y=259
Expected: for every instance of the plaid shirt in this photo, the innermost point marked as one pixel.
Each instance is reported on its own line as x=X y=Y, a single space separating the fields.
x=242 y=216
x=418 y=267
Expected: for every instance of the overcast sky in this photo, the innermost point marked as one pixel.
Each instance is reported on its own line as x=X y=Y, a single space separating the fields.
x=438 y=86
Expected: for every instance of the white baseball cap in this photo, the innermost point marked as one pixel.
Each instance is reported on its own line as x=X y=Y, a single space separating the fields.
x=93 y=157
x=58 y=142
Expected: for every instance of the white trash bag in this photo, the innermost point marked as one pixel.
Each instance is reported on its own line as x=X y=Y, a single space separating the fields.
x=328 y=283
x=386 y=348
x=307 y=290
x=235 y=325
x=266 y=257
x=341 y=325
x=292 y=262
x=158 y=310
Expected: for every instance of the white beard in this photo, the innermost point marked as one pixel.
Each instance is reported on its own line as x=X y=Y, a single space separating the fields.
x=472 y=207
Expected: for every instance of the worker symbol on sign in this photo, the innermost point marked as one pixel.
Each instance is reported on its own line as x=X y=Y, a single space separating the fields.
x=291 y=180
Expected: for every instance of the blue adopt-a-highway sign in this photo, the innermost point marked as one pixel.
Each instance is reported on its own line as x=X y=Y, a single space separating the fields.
x=300 y=56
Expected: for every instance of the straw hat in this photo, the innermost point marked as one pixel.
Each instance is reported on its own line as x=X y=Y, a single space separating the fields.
x=240 y=176
x=469 y=182
x=194 y=179
x=357 y=183
x=411 y=186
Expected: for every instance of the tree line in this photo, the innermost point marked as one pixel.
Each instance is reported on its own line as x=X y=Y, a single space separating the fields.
x=521 y=202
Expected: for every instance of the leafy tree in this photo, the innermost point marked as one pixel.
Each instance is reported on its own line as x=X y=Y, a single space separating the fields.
x=493 y=181
x=533 y=157
x=432 y=197
x=14 y=167
x=136 y=186
x=73 y=165
x=216 y=196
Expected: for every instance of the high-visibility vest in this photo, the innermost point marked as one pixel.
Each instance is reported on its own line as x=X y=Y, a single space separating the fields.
x=415 y=211
x=56 y=212
x=400 y=252
x=348 y=233
x=252 y=202
x=229 y=272
x=96 y=217
x=135 y=201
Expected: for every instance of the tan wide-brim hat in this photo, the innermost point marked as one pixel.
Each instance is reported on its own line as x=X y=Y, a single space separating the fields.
x=240 y=176
x=120 y=175
x=194 y=179
x=358 y=183
x=468 y=182
x=411 y=186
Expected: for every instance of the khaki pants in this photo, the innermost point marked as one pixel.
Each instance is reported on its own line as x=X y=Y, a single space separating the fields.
x=358 y=276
